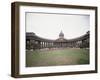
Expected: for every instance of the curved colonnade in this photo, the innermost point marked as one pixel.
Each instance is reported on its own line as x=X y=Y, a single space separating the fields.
x=35 y=42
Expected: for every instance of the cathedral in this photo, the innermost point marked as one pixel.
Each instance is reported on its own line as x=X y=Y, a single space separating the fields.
x=36 y=42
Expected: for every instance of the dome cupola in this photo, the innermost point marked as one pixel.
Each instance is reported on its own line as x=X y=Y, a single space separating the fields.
x=61 y=35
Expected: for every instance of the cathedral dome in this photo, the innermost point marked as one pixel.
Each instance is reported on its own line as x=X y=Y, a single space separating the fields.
x=61 y=35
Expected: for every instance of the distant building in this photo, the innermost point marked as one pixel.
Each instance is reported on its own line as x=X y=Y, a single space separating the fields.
x=35 y=42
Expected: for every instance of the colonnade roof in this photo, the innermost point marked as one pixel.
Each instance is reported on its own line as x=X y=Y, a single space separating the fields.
x=32 y=35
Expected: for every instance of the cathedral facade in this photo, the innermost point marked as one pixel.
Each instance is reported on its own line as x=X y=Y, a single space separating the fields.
x=36 y=42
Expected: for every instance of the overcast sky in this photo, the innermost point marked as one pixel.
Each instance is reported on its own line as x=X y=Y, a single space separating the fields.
x=50 y=25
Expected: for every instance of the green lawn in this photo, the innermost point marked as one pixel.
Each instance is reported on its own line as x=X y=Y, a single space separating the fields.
x=68 y=56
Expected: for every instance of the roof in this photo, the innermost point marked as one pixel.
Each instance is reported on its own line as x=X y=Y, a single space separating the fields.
x=61 y=40
x=32 y=35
